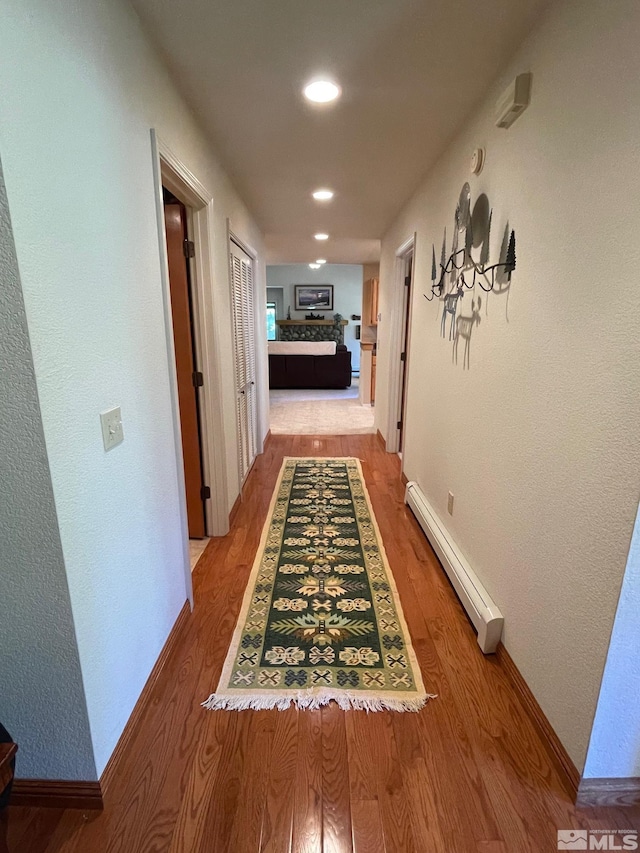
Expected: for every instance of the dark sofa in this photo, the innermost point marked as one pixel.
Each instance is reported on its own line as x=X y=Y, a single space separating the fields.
x=311 y=371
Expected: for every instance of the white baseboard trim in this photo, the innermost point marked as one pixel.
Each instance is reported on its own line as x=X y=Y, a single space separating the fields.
x=484 y=614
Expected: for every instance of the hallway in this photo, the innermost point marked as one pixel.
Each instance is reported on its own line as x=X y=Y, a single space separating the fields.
x=468 y=773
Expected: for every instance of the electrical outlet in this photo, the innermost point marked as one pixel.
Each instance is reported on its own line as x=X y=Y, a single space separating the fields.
x=450 y=503
x=112 y=432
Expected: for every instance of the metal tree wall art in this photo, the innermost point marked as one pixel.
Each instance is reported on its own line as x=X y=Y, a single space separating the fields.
x=502 y=283
x=510 y=265
x=459 y=271
x=460 y=267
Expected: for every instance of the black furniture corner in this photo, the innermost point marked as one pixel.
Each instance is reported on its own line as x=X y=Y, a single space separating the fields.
x=311 y=371
x=8 y=751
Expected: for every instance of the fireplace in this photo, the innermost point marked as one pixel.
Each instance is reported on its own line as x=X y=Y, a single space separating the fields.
x=312 y=330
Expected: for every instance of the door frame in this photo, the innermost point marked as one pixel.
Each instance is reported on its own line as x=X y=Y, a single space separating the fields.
x=232 y=236
x=170 y=171
x=408 y=247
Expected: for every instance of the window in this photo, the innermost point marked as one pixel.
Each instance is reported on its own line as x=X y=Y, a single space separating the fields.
x=271 y=321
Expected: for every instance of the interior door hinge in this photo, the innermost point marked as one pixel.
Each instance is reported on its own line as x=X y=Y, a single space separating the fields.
x=189 y=249
x=205 y=493
x=197 y=378
x=399 y=425
x=403 y=356
x=407 y=280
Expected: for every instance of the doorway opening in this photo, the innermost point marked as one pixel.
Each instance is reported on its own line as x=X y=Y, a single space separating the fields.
x=325 y=319
x=404 y=345
x=400 y=346
x=189 y=378
x=172 y=175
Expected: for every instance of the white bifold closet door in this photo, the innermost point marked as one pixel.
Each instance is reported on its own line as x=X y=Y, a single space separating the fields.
x=243 y=301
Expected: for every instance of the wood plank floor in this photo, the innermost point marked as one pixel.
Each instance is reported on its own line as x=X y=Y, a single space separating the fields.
x=466 y=774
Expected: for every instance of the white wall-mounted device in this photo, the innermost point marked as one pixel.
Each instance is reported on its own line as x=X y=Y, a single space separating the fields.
x=477 y=161
x=513 y=101
x=112 y=432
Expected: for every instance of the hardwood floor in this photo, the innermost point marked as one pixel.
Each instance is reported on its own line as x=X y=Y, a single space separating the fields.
x=468 y=773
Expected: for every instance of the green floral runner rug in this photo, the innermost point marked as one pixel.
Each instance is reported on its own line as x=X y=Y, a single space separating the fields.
x=321 y=618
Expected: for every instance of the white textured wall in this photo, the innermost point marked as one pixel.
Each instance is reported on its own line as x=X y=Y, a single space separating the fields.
x=347 y=294
x=614 y=749
x=80 y=89
x=42 y=701
x=538 y=440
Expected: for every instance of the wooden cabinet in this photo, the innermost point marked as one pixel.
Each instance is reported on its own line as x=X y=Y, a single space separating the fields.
x=370 y=302
x=367 y=381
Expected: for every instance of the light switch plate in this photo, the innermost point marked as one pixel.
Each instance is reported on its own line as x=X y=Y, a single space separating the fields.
x=112 y=432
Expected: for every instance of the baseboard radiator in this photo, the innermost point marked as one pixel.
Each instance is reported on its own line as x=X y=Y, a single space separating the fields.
x=484 y=614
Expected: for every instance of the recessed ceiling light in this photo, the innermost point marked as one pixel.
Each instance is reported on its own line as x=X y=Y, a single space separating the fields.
x=321 y=236
x=321 y=91
x=321 y=261
x=323 y=195
x=314 y=266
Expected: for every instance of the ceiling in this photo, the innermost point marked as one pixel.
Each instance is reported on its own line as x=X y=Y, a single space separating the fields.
x=410 y=71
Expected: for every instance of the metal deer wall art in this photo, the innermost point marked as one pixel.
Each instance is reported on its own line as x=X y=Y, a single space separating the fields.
x=459 y=271
x=450 y=303
x=464 y=328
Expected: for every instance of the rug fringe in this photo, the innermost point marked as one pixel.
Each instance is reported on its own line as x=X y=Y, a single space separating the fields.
x=302 y=700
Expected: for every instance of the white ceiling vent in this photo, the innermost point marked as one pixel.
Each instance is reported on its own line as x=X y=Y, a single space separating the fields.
x=514 y=100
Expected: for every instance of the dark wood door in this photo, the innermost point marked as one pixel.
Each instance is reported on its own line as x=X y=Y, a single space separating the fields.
x=176 y=230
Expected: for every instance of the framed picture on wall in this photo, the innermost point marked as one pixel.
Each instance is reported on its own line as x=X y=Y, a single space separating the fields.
x=314 y=296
